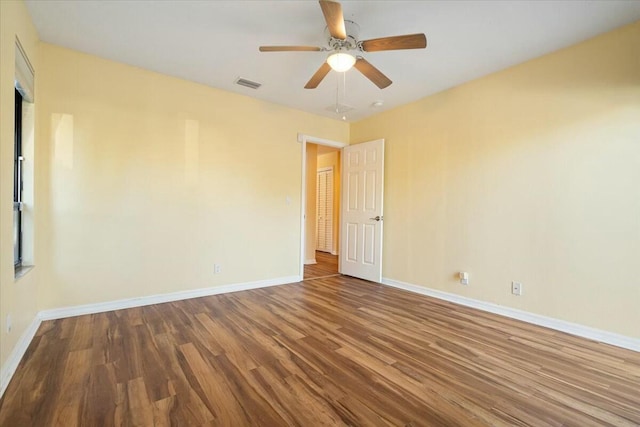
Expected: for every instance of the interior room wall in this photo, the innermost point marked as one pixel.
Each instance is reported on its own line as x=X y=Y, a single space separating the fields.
x=153 y=180
x=326 y=160
x=310 y=213
x=532 y=175
x=17 y=297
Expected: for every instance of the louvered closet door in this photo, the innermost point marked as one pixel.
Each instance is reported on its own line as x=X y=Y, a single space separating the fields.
x=324 y=203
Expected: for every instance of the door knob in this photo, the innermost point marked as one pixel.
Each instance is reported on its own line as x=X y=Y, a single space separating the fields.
x=377 y=218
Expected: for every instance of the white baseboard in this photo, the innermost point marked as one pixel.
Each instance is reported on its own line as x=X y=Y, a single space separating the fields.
x=21 y=346
x=310 y=261
x=18 y=351
x=536 y=319
x=59 y=313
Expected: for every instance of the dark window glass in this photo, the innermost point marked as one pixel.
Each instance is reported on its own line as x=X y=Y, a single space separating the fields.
x=17 y=184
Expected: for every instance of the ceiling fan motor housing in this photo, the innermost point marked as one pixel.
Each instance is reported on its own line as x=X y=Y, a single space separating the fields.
x=350 y=43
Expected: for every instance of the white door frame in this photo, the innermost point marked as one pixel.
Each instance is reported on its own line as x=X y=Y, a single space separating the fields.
x=304 y=139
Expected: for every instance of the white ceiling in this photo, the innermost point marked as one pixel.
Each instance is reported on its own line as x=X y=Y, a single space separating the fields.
x=214 y=42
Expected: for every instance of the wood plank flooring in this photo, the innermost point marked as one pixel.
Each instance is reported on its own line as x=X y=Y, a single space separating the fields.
x=327 y=265
x=336 y=351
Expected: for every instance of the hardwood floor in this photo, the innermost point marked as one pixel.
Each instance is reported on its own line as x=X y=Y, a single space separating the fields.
x=336 y=351
x=327 y=265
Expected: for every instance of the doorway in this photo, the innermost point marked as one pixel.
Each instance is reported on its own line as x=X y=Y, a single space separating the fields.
x=323 y=211
x=320 y=216
x=361 y=222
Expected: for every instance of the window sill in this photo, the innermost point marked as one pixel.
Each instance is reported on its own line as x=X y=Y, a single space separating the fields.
x=22 y=270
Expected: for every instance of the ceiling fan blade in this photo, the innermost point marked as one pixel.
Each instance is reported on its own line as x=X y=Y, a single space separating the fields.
x=318 y=76
x=332 y=11
x=409 y=41
x=290 y=49
x=372 y=73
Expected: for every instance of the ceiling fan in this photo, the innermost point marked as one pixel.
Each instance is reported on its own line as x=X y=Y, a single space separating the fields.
x=342 y=39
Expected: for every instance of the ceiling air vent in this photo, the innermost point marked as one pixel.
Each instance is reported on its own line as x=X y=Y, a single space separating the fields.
x=247 y=83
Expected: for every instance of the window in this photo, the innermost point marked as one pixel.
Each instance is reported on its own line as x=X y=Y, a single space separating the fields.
x=23 y=156
x=17 y=183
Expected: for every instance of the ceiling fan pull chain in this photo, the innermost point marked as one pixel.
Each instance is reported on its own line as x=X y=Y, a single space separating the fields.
x=344 y=92
x=344 y=89
x=337 y=93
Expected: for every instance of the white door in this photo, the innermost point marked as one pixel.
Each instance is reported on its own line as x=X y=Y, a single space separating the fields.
x=324 y=207
x=361 y=224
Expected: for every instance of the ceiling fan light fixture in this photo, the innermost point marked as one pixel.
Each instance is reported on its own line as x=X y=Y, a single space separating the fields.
x=341 y=61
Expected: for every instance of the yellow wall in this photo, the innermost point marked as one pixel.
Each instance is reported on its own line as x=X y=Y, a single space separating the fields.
x=530 y=174
x=326 y=160
x=17 y=297
x=153 y=179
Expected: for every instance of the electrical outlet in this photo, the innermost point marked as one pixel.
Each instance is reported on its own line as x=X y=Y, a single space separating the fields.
x=516 y=288
x=217 y=268
x=9 y=324
x=464 y=278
